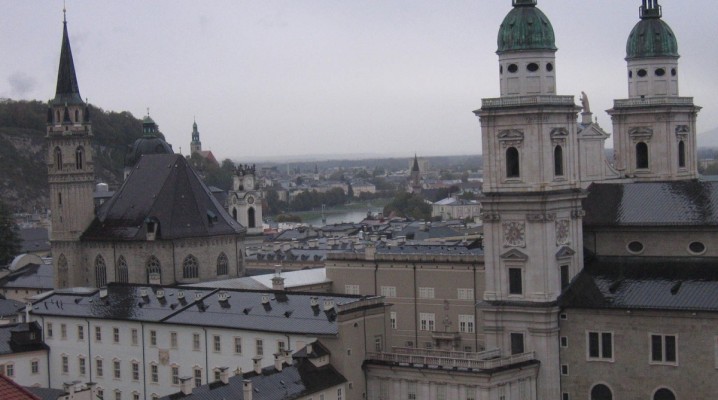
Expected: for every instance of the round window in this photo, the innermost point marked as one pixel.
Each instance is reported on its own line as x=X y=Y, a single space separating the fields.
x=642 y=73
x=635 y=247
x=513 y=68
x=697 y=247
x=673 y=72
x=533 y=67
x=660 y=72
x=549 y=67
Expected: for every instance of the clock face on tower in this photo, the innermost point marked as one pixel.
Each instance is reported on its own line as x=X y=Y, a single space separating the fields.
x=250 y=200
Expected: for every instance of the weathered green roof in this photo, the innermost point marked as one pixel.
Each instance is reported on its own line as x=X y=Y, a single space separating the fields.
x=651 y=37
x=526 y=28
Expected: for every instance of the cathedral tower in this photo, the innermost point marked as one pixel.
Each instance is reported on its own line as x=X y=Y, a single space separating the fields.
x=70 y=166
x=654 y=129
x=195 y=145
x=532 y=195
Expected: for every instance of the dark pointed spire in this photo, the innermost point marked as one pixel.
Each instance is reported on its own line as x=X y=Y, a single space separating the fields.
x=68 y=91
x=415 y=168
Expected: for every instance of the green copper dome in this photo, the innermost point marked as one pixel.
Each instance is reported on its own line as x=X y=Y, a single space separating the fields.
x=651 y=37
x=526 y=28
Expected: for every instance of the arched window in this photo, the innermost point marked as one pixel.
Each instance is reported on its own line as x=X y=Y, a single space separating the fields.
x=681 y=154
x=63 y=273
x=641 y=155
x=123 y=275
x=234 y=214
x=79 y=156
x=77 y=116
x=512 y=163
x=250 y=218
x=558 y=161
x=154 y=270
x=190 y=267
x=57 y=114
x=100 y=271
x=601 y=392
x=664 y=394
x=222 y=264
x=58 y=159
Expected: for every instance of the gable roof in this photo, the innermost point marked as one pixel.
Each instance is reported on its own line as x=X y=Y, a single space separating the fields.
x=10 y=390
x=163 y=188
x=645 y=283
x=679 y=203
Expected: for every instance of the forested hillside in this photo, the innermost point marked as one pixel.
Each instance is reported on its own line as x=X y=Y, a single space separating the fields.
x=23 y=168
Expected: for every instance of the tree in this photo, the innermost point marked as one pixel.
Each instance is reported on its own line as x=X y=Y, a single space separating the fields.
x=9 y=236
x=409 y=205
x=350 y=191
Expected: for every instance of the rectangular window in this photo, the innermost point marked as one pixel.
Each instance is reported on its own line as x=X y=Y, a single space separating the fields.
x=82 y=367
x=63 y=331
x=80 y=332
x=564 y=341
x=116 y=369
x=339 y=394
x=173 y=340
x=564 y=277
x=392 y=319
x=600 y=345
x=426 y=322
x=280 y=346
x=153 y=338
x=465 y=293
x=65 y=365
x=195 y=341
x=98 y=333
x=664 y=349
x=411 y=390
x=135 y=396
x=564 y=369
x=35 y=367
x=378 y=343
x=515 y=281
x=259 y=346
x=565 y=396
x=118 y=395
x=238 y=345
x=351 y=289
x=388 y=291
x=197 y=377
x=466 y=323
x=98 y=368
x=10 y=370
x=426 y=292
x=135 y=371
x=217 y=375
x=517 y=343
x=115 y=335
x=135 y=339
x=175 y=375
x=154 y=373
x=49 y=330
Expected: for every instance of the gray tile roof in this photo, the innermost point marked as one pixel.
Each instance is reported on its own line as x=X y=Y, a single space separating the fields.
x=10 y=308
x=7 y=346
x=645 y=283
x=34 y=276
x=46 y=393
x=34 y=239
x=289 y=312
x=687 y=203
x=166 y=188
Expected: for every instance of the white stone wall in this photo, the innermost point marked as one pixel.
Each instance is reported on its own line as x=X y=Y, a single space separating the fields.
x=21 y=366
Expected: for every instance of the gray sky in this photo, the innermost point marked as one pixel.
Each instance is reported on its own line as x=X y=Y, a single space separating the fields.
x=305 y=77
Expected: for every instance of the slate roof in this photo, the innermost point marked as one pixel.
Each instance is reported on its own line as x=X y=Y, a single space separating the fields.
x=34 y=239
x=10 y=390
x=424 y=249
x=9 y=307
x=287 y=312
x=68 y=90
x=46 y=393
x=645 y=283
x=680 y=203
x=35 y=276
x=298 y=380
x=8 y=347
x=165 y=188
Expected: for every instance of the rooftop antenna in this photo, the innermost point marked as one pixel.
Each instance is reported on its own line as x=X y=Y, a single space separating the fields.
x=148 y=111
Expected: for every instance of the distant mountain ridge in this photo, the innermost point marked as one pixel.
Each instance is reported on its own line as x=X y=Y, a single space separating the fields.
x=23 y=180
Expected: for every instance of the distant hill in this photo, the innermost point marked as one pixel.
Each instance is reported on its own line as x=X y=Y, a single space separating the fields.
x=23 y=176
x=709 y=138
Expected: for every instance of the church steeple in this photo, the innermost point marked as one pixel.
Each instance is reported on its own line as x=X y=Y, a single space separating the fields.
x=195 y=145
x=67 y=91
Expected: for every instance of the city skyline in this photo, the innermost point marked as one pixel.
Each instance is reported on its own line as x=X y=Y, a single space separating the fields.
x=278 y=79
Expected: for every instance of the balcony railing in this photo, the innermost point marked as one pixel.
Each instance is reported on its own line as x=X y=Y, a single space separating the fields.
x=423 y=360
x=515 y=101
x=653 y=101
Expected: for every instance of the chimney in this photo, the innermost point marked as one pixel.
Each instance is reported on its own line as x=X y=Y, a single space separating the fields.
x=180 y=294
x=224 y=375
x=143 y=292
x=247 y=389
x=313 y=301
x=278 y=281
x=198 y=296
x=265 y=298
x=103 y=293
x=222 y=296
x=328 y=304
x=238 y=371
x=28 y=308
x=160 y=293
x=186 y=385
x=278 y=361
x=310 y=349
x=257 y=364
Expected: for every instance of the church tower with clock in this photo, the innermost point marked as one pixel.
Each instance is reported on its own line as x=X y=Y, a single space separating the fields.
x=532 y=195
x=245 y=199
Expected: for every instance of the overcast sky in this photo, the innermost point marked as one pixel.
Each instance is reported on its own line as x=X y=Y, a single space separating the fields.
x=308 y=77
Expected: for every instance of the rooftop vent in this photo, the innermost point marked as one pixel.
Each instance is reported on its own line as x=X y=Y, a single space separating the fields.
x=328 y=304
x=198 y=296
x=160 y=293
x=265 y=298
x=313 y=301
x=103 y=293
x=180 y=294
x=143 y=292
x=223 y=296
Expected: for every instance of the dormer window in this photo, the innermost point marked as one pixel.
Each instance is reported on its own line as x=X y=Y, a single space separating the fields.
x=152 y=225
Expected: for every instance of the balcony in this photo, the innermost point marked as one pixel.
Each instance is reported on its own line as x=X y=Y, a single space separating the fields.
x=517 y=101
x=653 y=101
x=412 y=357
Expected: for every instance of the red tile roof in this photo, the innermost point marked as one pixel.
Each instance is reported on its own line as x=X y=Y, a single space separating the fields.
x=10 y=390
